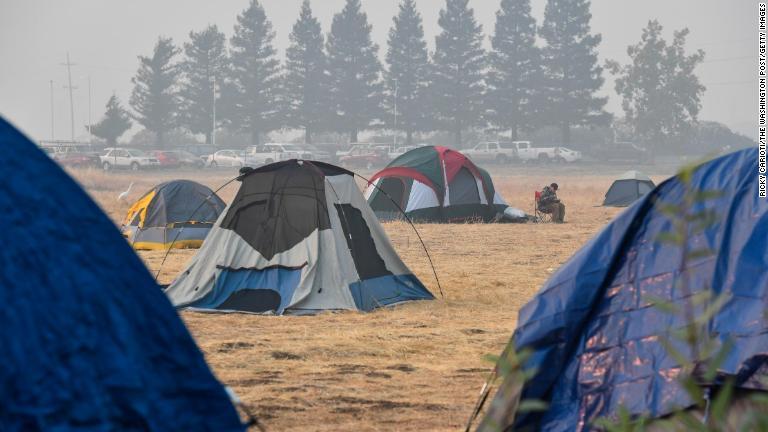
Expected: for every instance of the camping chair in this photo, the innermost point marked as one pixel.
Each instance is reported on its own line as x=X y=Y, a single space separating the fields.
x=541 y=216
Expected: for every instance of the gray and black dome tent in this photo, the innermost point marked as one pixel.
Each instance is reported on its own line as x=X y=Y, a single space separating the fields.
x=298 y=237
x=627 y=189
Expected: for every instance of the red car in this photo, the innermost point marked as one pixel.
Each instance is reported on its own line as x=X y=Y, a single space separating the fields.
x=367 y=157
x=187 y=159
x=79 y=160
x=168 y=159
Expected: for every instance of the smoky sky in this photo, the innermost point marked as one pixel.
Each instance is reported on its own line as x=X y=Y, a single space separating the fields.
x=104 y=38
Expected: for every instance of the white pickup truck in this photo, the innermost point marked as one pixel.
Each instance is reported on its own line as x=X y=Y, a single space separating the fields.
x=528 y=153
x=494 y=151
x=505 y=152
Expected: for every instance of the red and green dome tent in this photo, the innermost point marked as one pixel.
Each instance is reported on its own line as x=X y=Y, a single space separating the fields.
x=434 y=184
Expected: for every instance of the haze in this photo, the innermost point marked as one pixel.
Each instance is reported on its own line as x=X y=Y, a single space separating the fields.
x=105 y=37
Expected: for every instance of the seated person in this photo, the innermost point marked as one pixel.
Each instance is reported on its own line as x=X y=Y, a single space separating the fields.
x=549 y=203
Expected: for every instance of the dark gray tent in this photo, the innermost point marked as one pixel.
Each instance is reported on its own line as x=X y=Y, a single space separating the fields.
x=627 y=189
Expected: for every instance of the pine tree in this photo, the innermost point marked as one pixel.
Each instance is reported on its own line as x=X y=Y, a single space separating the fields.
x=354 y=71
x=251 y=93
x=204 y=63
x=305 y=85
x=409 y=72
x=154 y=99
x=571 y=70
x=115 y=122
x=514 y=79
x=458 y=69
x=661 y=95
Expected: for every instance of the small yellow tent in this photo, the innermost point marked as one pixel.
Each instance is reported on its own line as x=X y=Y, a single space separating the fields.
x=176 y=214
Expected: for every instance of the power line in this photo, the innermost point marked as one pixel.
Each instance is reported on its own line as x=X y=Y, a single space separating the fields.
x=113 y=68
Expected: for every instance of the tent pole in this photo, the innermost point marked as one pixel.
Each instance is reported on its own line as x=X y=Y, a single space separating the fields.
x=423 y=246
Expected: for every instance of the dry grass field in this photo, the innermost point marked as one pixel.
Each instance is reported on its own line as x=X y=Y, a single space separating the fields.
x=417 y=366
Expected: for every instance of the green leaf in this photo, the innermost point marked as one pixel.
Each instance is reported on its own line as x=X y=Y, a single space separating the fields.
x=668 y=209
x=699 y=253
x=702 y=195
x=670 y=238
x=662 y=304
x=711 y=310
x=672 y=351
x=690 y=421
x=531 y=405
x=722 y=401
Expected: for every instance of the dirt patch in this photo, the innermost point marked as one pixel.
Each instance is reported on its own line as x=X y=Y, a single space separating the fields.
x=261 y=378
x=350 y=368
x=285 y=355
x=383 y=404
x=347 y=410
x=402 y=368
x=378 y=375
x=227 y=347
x=270 y=411
x=473 y=370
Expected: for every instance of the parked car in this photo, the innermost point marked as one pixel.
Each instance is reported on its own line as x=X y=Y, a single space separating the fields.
x=274 y=152
x=399 y=151
x=187 y=159
x=226 y=158
x=59 y=151
x=197 y=149
x=563 y=154
x=342 y=153
x=493 y=151
x=127 y=158
x=167 y=159
x=316 y=153
x=361 y=156
x=526 y=152
x=79 y=160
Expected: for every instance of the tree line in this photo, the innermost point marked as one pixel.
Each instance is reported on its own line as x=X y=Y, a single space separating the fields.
x=533 y=76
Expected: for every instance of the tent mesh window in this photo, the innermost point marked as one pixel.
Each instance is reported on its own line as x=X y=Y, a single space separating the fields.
x=361 y=245
x=463 y=188
x=272 y=211
x=392 y=189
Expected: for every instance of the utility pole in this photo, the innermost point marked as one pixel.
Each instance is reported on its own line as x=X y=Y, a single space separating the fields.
x=89 y=110
x=395 y=131
x=52 y=134
x=213 y=126
x=69 y=65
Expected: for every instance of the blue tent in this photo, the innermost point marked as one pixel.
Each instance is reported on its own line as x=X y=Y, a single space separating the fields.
x=593 y=332
x=88 y=341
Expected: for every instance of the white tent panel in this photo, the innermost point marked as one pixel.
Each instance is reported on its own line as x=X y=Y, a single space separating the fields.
x=497 y=199
x=422 y=196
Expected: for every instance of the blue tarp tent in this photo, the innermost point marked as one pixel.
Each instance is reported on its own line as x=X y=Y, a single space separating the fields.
x=595 y=335
x=88 y=341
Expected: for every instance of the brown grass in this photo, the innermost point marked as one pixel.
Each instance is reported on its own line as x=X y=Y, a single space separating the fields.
x=417 y=366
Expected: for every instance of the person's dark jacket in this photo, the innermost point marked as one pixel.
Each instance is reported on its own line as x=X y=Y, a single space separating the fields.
x=548 y=197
